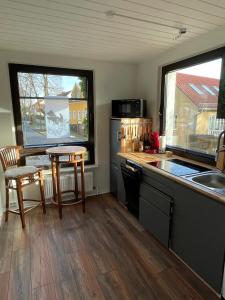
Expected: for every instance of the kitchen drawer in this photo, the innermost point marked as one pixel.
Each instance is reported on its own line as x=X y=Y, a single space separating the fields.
x=156 y=198
x=155 y=221
x=159 y=182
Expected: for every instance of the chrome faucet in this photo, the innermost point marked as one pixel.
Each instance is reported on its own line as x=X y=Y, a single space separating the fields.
x=220 y=148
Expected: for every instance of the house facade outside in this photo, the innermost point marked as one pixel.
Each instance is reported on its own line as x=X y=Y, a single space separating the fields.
x=34 y=120
x=195 y=102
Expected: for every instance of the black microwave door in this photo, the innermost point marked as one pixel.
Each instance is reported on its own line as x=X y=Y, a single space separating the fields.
x=126 y=108
x=115 y=109
x=120 y=108
x=136 y=109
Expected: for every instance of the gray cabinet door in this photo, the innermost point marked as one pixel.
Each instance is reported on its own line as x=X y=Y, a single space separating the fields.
x=155 y=212
x=198 y=235
x=121 y=195
x=156 y=198
x=198 y=228
x=113 y=179
x=116 y=180
x=155 y=221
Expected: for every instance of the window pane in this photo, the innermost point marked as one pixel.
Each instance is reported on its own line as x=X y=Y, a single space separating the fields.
x=54 y=120
x=191 y=107
x=41 y=85
x=43 y=160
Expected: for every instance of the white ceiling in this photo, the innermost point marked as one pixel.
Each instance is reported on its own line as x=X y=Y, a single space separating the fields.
x=81 y=28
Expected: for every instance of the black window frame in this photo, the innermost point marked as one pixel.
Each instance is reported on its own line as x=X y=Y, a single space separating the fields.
x=188 y=62
x=14 y=69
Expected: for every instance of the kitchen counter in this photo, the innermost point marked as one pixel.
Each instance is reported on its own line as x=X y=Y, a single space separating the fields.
x=184 y=216
x=143 y=159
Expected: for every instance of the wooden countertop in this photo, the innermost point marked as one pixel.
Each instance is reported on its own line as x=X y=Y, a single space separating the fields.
x=143 y=159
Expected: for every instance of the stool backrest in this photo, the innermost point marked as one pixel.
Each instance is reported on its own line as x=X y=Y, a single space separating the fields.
x=9 y=156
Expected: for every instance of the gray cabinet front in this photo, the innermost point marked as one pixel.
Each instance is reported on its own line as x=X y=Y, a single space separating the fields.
x=121 y=195
x=155 y=212
x=199 y=234
x=198 y=225
x=116 y=180
x=113 y=179
x=155 y=221
x=156 y=198
x=198 y=222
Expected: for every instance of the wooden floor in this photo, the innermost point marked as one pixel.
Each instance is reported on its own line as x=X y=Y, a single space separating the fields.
x=102 y=254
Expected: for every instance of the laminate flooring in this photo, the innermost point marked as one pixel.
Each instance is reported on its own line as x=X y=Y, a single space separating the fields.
x=102 y=254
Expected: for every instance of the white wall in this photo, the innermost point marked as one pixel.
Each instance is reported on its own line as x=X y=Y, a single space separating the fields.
x=111 y=80
x=149 y=72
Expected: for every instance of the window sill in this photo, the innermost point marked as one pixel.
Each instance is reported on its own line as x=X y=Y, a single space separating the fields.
x=194 y=155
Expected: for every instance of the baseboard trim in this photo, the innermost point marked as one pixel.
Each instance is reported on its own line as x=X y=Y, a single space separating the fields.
x=48 y=200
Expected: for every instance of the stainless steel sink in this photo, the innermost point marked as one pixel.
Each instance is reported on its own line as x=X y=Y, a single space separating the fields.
x=215 y=181
x=212 y=180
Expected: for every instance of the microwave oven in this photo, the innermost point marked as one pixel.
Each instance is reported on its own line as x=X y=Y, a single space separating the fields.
x=129 y=108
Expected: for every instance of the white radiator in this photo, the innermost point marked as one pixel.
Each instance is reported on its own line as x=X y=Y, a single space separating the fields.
x=67 y=183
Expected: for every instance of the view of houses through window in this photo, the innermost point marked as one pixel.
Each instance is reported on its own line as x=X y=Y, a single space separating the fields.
x=53 y=108
x=191 y=107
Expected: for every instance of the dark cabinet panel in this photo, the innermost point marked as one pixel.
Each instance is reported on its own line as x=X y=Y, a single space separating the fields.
x=155 y=211
x=113 y=179
x=121 y=195
x=156 y=198
x=158 y=181
x=155 y=221
x=199 y=234
x=116 y=180
x=198 y=222
x=198 y=226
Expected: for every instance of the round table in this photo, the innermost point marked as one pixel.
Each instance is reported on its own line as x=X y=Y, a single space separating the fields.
x=73 y=155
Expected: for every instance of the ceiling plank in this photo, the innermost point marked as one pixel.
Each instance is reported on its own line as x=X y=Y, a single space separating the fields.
x=82 y=28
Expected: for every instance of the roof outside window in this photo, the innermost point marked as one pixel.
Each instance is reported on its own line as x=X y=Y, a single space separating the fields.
x=194 y=87
x=208 y=90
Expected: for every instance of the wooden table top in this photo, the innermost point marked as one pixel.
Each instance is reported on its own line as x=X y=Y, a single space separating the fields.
x=66 y=150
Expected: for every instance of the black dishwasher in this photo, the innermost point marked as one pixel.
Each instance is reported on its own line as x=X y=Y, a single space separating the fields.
x=131 y=173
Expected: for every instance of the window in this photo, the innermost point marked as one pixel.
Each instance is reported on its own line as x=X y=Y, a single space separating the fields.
x=52 y=106
x=189 y=103
x=197 y=90
x=215 y=125
x=208 y=90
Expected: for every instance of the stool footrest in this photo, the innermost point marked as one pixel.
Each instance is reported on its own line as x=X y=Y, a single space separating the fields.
x=32 y=200
x=69 y=191
x=68 y=202
x=26 y=209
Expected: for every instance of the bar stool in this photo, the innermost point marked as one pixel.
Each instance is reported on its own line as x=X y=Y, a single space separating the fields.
x=72 y=155
x=16 y=178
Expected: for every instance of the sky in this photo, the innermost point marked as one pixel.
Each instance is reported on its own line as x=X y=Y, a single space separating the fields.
x=68 y=82
x=210 y=69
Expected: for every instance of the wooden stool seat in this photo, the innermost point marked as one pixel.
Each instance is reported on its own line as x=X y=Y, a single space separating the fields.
x=72 y=155
x=14 y=173
x=17 y=177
